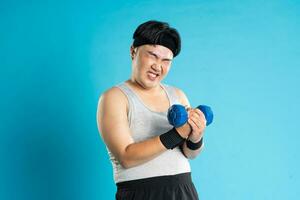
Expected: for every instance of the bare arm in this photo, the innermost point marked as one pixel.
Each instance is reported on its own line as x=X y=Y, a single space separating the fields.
x=191 y=154
x=113 y=125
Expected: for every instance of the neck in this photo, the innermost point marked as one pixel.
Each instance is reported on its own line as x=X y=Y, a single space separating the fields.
x=139 y=87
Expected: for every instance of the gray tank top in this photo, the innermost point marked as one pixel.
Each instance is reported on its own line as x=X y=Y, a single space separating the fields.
x=145 y=124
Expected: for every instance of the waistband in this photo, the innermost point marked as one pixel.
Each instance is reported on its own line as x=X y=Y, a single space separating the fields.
x=158 y=181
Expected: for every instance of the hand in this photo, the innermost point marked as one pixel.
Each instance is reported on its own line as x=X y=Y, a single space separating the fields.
x=197 y=122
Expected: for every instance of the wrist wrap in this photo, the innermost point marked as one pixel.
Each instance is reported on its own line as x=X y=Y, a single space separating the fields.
x=171 y=139
x=194 y=146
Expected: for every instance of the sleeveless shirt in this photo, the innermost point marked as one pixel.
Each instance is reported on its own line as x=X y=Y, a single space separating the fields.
x=145 y=124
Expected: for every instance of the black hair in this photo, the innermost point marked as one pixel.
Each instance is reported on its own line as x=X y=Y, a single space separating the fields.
x=160 y=33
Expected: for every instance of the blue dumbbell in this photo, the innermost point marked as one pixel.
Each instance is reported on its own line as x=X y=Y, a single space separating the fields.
x=178 y=116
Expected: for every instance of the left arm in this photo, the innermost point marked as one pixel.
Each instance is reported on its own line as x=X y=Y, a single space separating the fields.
x=197 y=121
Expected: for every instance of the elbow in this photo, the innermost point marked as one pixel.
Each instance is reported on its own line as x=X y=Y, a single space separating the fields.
x=126 y=164
x=192 y=156
x=126 y=159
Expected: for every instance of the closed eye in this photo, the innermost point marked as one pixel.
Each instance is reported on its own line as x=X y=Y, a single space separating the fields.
x=152 y=54
x=167 y=60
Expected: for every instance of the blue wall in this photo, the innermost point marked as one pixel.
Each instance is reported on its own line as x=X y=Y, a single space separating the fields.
x=240 y=57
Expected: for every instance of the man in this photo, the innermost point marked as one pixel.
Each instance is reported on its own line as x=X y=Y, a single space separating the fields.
x=149 y=156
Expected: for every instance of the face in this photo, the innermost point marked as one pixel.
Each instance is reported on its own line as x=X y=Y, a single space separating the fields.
x=150 y=64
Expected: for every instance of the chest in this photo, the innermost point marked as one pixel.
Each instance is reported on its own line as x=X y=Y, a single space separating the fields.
x=156 y=103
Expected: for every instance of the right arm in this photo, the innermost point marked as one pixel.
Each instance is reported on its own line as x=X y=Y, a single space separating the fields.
x=114 y=129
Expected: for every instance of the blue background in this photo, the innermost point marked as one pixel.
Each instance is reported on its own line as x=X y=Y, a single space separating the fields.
x=239 y=57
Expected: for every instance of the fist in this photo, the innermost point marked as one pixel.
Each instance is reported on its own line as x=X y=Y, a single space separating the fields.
x=197 y=122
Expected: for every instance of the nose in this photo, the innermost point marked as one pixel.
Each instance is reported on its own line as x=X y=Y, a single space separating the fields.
x=157 y=66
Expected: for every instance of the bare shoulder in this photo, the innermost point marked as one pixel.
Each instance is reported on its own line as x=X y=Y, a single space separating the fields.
x=113 y=97
x=114 y=93
x=112 y=108
x=182 y=97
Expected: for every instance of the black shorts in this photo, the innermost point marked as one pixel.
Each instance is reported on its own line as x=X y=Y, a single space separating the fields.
x=176 y=187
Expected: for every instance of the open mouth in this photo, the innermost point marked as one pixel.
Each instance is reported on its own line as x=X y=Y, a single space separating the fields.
x=152 y=76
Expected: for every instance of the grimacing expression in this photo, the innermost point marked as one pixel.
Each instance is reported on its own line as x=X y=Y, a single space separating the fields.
x=151 y=63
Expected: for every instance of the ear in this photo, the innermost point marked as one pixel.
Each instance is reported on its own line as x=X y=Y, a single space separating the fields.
x=132 y=52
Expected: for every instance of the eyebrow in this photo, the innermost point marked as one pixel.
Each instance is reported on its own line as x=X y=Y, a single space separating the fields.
x=154 y=54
